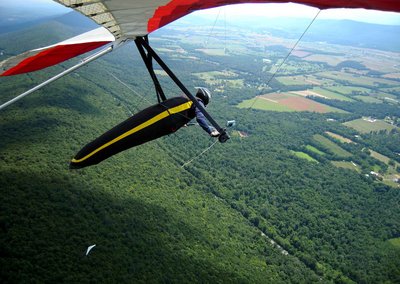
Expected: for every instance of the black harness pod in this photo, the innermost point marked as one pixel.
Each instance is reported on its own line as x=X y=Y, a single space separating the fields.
x=149 y=124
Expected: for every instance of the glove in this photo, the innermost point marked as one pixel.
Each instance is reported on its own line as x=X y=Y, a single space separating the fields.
x=214 y=133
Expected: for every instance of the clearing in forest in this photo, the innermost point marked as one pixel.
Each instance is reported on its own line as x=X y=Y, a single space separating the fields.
x=367 y=125
x=331 y=146
x=339 y=137
x=303 y=155
x=346 y=165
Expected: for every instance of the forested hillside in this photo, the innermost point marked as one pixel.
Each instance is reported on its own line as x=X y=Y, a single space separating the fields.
x=247 y=211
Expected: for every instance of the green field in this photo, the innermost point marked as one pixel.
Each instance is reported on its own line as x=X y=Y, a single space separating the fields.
x=364 y=126
x=303 y=155
x=258 y=103
x=333 y=147
x=315 y=150
x=302 y=80
x=346 y=165
x=368 y=99
x=226 y=78
x=391 y=169
x=395 y=242
x=339 y=137
x=213 y=51
x=160 y=72
x=382 y=158
x=291 y=80
x=348 y=90
x=379 y=157
x=332 y=95
x=356 y=80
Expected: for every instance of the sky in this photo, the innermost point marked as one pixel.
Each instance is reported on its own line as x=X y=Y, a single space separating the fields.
x=303 y=11
x=266 y=10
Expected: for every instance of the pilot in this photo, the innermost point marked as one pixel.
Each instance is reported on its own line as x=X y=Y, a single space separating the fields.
x=203 y=96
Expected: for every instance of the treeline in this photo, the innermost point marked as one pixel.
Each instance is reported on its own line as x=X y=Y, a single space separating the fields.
x=361 y=108
x=384 y=142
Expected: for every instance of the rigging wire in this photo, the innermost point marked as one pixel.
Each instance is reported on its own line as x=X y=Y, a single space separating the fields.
x=130 y=88
x=287 y=56
x=212 y=29
x=199 y=155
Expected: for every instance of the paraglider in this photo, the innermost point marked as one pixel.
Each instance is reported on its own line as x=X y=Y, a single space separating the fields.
x=124 y=21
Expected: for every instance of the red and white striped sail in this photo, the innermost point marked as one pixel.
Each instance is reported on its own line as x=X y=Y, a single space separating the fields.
x=128 y=19
x=40 y=58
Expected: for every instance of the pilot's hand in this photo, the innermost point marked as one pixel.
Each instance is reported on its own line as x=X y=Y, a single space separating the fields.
x=214 y=133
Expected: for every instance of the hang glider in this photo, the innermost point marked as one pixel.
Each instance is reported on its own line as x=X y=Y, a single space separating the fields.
x=122 y=21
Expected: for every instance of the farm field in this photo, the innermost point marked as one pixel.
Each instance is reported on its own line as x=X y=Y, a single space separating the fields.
x=356 y=80
x=386 y=160
x=368 y=99
x=213 y=51
x=302 y=80
x=346 y=165
x=379 y=156
x=363 y=125
x=331 y=94
x=160 y=72
x=303 y=155
x=321 y=92
x=314 y=150
x=328 y=59
x=339 y=137
x=333 y=147
x=221 y=78
x=261 y=104
x=349 y=90
x=286 y=102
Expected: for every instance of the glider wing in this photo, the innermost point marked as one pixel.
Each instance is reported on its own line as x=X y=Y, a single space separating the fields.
x=129 y=19
x=40 y=58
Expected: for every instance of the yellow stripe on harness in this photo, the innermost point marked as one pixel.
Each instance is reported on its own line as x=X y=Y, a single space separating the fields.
x=149 y=122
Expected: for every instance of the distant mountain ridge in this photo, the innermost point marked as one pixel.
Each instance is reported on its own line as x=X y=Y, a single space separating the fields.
x=344 y=32
x=42 y=32
x=347 y=32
